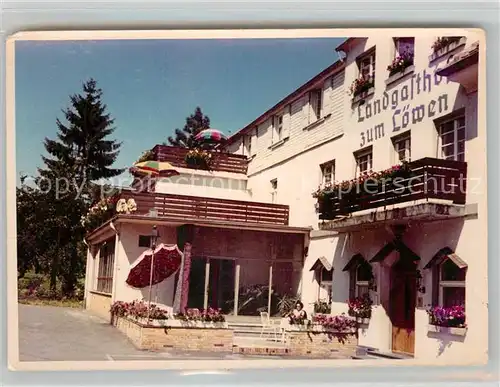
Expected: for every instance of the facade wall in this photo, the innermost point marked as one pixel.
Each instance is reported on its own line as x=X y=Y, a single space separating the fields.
x=99 y=304
x=127 y=252
x=414 y=104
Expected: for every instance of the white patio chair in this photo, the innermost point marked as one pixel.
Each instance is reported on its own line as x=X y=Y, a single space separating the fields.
x=268 y=325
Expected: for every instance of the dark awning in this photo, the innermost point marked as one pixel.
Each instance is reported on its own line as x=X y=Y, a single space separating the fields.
x=398 y=245
x=355 y=261
x=383 y=252
x=446 y=253
x=321 y=262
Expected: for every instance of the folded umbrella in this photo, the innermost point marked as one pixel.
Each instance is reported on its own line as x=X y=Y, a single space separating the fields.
x=166 y=262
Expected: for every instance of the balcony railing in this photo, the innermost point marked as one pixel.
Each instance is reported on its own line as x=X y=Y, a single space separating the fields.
x=224 y=162
x=185 y=207
x=428 y=178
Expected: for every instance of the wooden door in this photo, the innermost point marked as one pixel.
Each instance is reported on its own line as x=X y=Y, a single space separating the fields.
x=402 y=306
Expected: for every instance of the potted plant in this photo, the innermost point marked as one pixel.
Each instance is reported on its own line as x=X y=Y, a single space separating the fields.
x=361 y=85
x=450 y=320
x=198 y=158
x=360 y=308
x=444 y=41
x=322 y=307
x=400 y=63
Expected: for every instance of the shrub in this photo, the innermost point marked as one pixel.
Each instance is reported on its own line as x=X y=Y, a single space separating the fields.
x=138 y=309
x=204 y=315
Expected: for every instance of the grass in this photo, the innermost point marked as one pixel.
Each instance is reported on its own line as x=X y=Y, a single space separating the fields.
x=60 y=303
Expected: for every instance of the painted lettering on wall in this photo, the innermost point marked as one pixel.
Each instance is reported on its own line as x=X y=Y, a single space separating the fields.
x=408 y=114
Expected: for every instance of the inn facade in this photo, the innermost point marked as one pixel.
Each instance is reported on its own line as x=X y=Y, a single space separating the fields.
x=254 y=224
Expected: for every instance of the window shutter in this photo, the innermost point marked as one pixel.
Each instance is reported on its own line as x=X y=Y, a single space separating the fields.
x=270 y=128
x=305 y=108
x=253 y=142
x=435 y=285
x=287 y=121
x=352 y=282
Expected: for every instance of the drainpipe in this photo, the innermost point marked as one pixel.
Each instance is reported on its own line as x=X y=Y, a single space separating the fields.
x=87 y=276
x=115 y=264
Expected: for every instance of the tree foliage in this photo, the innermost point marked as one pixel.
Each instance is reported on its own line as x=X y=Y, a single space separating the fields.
x=49 y=212
x=195 y=123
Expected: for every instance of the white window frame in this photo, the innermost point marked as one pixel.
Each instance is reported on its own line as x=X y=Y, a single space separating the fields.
x=317 y=105
x=402 y=143
x=368 y=153
x=360 y=284
x=447 y=284
x=328 y=285
x=456 y=128
x=274 y=190
x=367 y=61
x=331 y=174
x=105 y=269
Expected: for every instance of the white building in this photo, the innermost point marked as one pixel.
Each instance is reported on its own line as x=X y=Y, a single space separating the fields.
x=424 y=114
x=249 y=223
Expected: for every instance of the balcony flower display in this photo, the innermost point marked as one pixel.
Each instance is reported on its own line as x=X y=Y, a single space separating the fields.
x=126 y=206
x=205 y=315
x=198 y=158
x=99 y=212
x=360 y=307
x=146 y=156
x=364 y=182
x=340 y=323
x=400 y=63
x=447 y=317
x=361 y=85
x=444 y=41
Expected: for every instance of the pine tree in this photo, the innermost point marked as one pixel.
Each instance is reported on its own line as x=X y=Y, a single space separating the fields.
x=195 y=123
x=81 y=155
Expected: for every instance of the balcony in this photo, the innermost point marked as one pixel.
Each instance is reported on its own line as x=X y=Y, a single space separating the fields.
x=185 y=207
x=222 y=162
x=426 y=178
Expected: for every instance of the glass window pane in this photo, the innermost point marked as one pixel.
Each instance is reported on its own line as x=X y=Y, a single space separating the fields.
x=453 y=297
x=451 y=272
x=461 y=134
x=448 y=150
x=364 y=272
x=448 y=138
x=461 y=157
x=461 y=121
x=361 y=290
x=326 y=275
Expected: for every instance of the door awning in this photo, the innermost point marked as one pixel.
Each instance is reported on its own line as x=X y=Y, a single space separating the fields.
x=398 y=245
x=321 y=262
x=446 y=253
x=355 y=261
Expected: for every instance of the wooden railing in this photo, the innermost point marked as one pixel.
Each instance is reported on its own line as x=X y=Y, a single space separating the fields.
x=221 y=161
x=185 y=207
x=430 y=179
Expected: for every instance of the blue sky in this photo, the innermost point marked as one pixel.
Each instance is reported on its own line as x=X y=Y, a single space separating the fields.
x=151 y=86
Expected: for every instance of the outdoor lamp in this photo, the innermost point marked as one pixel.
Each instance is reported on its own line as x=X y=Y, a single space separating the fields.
x=154 y=237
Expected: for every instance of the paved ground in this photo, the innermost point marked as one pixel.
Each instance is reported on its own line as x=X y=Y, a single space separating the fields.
x=58 y=334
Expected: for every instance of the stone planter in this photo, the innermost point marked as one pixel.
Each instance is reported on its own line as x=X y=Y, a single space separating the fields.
x=445 y=50
x=316 y=341
x=176 y=334
x=400 y=74
x=449 y=330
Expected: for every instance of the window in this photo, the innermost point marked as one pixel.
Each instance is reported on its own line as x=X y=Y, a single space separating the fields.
x=274 y=190
x=278 y=127
x=325 y=283
x=106 y=267
x=452 y=139
x=364 y=162
x=328 y=172
x=451 y=284
x=404 y=46
x=144 y=241
x=317 y=103
x=363 y=277
x=402 y=148
x=366 y=65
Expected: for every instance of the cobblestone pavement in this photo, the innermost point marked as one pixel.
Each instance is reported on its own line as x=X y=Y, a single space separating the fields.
x=57 y=334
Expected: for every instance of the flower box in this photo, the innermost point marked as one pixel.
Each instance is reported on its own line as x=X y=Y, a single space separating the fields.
x=363 y=95
x=398 y=75
x=455 y=331
x=443 y=47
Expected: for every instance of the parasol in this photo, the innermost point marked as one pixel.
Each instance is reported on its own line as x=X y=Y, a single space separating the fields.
x=210 y=135
x=155 y=168
x=167 y=260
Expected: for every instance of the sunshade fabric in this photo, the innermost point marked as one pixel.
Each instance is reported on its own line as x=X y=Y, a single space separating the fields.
x=156 y=168
x=167 y=260
x=210 y=135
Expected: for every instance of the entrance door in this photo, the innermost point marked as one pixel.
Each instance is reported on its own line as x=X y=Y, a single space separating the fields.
x=197 y=283
x=221 y=285
x=402 y=305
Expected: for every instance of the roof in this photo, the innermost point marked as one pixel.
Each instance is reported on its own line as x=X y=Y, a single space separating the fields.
x=464 y=59
x=329 y=71
x=443 y=254
x=347 y=44
x=321 y=262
